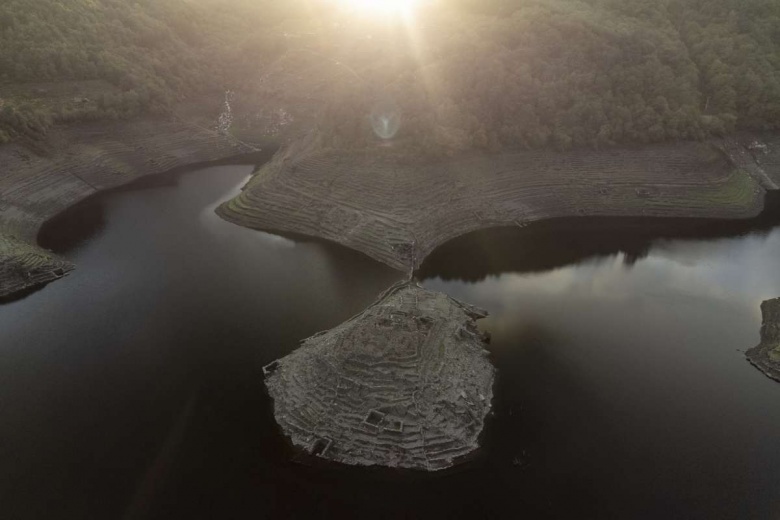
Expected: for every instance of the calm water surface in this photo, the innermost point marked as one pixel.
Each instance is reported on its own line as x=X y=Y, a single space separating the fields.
x=133 y=388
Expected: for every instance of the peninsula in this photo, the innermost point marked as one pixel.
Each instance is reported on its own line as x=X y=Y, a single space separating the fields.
x=398 y=211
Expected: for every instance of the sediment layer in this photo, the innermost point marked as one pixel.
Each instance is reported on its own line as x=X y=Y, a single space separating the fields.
x=376 y=202
x=79 y=162
x=766 y=355
x=406 y=384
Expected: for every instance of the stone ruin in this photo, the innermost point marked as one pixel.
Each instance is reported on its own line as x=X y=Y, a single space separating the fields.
x=407 y=383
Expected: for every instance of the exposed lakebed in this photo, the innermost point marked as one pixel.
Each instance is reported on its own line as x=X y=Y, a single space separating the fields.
x=134 y=386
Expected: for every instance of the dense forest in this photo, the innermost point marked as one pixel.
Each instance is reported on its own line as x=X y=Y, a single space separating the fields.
x=136 y=55
x=561 y=73
x=465 y=74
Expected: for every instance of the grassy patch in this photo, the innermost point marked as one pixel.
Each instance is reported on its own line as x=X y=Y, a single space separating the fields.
x=24 y=254
x=739 y=190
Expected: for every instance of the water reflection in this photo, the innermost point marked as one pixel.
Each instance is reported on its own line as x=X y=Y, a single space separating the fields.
x=550 y=244
x=621 y=374
x=168 y=302
x=74 y=227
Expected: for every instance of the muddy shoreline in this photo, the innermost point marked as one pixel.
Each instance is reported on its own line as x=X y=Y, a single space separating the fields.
x=341 y=395
x=398 y=213
x=79 y=162
x=406 y=383
x=371 y=201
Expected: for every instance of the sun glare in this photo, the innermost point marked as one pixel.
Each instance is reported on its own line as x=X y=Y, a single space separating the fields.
x=380 y=7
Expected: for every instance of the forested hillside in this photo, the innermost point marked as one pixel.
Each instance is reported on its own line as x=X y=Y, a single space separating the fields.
x=464 y=74
x=563 y=73
x=122 y=57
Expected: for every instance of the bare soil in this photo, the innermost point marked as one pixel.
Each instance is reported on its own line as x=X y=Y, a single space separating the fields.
x=78 y=162
x=398 y=211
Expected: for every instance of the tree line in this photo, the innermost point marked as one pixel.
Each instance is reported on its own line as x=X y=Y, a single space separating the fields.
x=153 y=52
x=470 y=74
x=507 y=74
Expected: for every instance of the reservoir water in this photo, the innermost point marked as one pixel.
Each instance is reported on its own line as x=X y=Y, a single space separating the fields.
x=133 y=387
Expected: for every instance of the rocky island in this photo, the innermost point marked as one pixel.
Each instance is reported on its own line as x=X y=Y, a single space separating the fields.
x=407 y=383
x=766 y=355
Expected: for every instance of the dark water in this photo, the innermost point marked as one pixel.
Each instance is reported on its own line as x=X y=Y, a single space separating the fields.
x=133 y=388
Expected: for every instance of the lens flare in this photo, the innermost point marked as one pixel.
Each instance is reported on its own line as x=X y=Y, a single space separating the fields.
x=386 y=119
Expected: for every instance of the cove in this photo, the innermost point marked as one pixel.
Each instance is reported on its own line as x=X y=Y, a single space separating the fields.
x=133 y=387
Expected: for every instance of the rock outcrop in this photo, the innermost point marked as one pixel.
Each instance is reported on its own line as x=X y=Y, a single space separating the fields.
x=766 y=355
x=406 y=383
x=398 y=210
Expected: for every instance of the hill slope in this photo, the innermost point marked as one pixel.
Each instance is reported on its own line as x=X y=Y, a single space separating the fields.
x=461 y=75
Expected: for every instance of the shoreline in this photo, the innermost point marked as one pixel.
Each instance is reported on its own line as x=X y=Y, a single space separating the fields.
x=395 y=213
x=326 y=195
x=79 y=162
x=398 y=214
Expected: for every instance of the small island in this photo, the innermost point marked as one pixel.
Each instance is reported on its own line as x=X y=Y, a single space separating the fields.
x=407 y=383
x=766 y=355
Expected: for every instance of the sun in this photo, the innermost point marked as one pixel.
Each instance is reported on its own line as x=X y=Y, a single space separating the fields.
x=380 y=7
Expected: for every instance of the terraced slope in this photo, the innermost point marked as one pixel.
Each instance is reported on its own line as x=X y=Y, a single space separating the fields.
x=766 y=355
x=24 y=267
x=84 y=160
x=398 y=213
x=405 y=384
